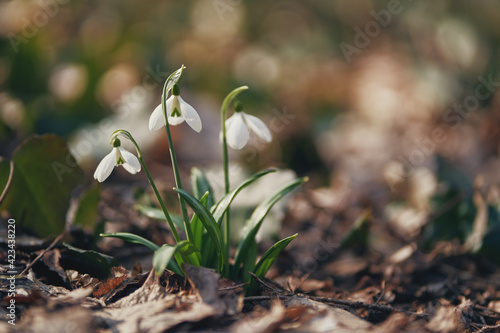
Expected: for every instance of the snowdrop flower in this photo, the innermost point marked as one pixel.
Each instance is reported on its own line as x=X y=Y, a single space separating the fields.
x=118 y=156
x=178 y=111
x=239 y=125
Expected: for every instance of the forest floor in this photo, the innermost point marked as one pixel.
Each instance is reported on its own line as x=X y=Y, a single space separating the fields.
x=323 y=282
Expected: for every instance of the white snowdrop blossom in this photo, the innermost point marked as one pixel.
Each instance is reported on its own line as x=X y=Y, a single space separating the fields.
x=118 y=156
x=238 y=128
x=178 y=111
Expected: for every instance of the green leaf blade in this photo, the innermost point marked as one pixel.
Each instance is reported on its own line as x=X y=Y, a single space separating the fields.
x=183 y=252
x=197 y=226
x=162 y=258
x=223 y=205
x=201 y=186
x=209 y=223
x=190 y=251
x=157 y=214
x=268 y=259
x=132 y=238
x=255 y=222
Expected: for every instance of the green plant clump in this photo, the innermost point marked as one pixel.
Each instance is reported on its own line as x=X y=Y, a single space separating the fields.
x=208 y=229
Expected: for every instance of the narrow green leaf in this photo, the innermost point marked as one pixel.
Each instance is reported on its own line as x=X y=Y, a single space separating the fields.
x=131 y=238
x=223 y=205
x=197 y=226
x=189 y=251
x=174 y=267
x=162 y=257
x=208 y=221
x=157 y=214
x=184 y=251
x=255 y=221
x=248 y=265
x=267 y=261
x=210 y=257
x=270 y=256
x=200 y=185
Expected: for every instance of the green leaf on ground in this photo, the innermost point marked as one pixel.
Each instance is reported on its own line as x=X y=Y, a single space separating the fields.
x=45 y=173
x=86 y=214
x=87 y=261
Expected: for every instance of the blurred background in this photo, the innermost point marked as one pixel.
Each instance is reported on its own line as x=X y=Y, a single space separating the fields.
x=376 y=101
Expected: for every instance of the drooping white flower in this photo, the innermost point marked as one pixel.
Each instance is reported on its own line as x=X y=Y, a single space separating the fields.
x=178 y=111
x=239 y=126
x=118 y=156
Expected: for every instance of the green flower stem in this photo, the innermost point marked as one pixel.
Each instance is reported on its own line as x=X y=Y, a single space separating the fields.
x=175 y=166
x=151 y=182
x=224 y=107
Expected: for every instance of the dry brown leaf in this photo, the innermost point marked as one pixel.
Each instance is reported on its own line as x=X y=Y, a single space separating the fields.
x=59 y=320
x=166 y=320
x=118 y=275
x=74 y=297
x=447 y=319
x=479 y=227
x=310 y=285
x=205 y=282
x=51 y=260
x=323 y=318
x=265 y=323
x=347 y=266
x=402 y=254
x=151 y=309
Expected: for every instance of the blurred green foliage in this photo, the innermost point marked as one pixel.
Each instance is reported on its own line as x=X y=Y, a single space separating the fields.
x=279 y=48
x=67 y=65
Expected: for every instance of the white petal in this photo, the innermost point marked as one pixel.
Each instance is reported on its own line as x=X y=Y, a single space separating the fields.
x=156 y=120
x=171 y=103
x=130 y=169
x=237 y=133
x=228 y=124
x=190 y=115
x=132 y=163
x=258 y=127
x=105 y=167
